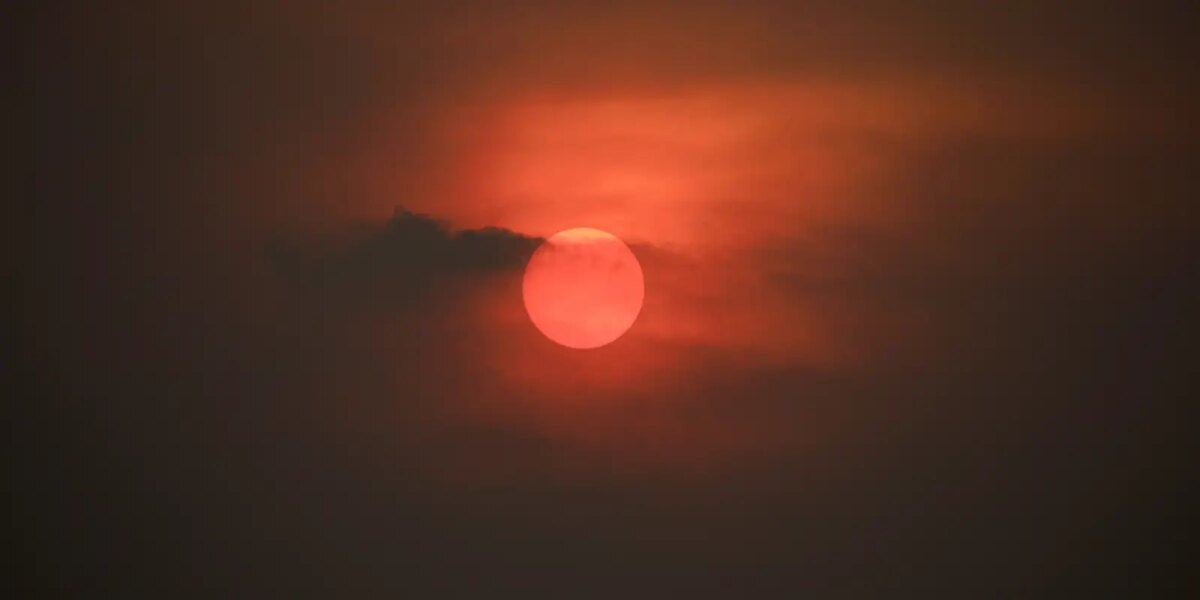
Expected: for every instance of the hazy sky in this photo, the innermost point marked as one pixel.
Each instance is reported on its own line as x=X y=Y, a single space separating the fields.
x=916 y=278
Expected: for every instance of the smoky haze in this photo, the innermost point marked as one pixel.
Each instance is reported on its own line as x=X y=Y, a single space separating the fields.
x=918 y=282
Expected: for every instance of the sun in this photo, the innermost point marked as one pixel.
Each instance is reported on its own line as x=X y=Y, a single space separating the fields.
x=583 y=288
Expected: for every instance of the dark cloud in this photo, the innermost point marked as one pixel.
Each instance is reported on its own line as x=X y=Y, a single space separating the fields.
x=403 y=260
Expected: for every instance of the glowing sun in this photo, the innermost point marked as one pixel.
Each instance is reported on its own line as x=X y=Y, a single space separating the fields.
x=583 y=288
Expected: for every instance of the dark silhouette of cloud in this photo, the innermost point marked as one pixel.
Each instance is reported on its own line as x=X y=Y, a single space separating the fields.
x=404 y=259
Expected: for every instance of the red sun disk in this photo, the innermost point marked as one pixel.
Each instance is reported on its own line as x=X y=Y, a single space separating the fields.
x=583 y=288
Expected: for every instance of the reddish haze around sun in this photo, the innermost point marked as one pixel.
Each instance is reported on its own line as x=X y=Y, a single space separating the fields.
x=583 y=288
x=786 y=215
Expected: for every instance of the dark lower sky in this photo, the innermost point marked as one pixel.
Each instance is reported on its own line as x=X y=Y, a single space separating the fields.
x=917 y=277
